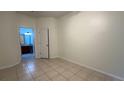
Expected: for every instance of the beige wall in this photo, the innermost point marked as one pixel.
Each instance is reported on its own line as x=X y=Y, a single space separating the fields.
x=25 y=21
x=9 y=53
x=93 y=39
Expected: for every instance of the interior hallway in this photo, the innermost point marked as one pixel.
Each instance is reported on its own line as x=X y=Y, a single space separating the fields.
x=31 y=69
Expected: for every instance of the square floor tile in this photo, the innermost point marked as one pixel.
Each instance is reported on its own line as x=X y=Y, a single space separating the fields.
x=59 y=78
x=60 y=70
x=67 y=74
x=25 y=78
x=96 y=76
x=42 y=78
x=76 y=78
x=37 y=73
x=84 y=73
x=52 y=74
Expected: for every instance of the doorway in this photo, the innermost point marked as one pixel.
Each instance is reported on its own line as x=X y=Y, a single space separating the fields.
x=27 y=42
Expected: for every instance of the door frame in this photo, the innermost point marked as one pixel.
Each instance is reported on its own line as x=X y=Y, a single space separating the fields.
x=48 y=37
x=34 y=32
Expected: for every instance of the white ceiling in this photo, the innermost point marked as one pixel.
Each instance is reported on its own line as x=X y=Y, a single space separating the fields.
x=44 y=13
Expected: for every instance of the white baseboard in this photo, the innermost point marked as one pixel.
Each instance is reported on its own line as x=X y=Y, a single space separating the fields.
x=4 y=67
x=95 y=69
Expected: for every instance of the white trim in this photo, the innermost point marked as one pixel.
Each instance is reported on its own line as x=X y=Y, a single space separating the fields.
x=4 y=67
x=95 y=69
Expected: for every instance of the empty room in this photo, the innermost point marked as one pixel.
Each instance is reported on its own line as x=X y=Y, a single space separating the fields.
x=61 y=46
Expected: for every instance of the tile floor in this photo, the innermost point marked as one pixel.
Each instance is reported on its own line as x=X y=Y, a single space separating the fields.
x=31 y=69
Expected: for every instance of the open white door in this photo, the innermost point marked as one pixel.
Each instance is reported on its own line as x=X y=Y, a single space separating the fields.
x=44 y=43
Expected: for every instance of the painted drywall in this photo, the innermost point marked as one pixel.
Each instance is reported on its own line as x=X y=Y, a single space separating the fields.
x=9 y=43
x=94 y=39
x=25 y=21
x=49 y=22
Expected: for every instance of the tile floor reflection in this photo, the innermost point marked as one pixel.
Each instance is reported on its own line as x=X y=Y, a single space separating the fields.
x=57 y=69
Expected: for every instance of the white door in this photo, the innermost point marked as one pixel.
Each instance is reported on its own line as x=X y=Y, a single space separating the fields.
x=44 y=43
